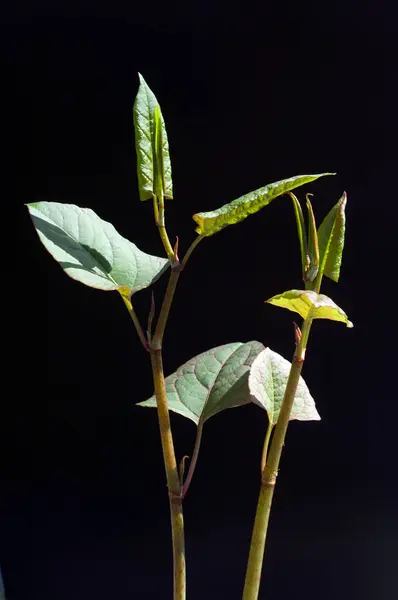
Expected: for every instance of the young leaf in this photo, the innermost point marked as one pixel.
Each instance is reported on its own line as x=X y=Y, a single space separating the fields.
x=331 y=240
x=301 y=231
x=211 y=382
x=149 y=126
x=267 y=383
x=313 y=248
x=237 y=210
x=91 y=251
x=310 y=304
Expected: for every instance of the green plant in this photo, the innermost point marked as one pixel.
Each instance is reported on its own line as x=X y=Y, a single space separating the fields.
x=91 y=251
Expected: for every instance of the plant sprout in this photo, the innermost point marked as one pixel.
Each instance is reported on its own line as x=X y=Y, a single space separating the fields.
x=91 y=251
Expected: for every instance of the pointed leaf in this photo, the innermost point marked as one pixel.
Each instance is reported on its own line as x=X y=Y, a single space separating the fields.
x=91 y=251
x=313 y=248
x=237 y=210
x=301 y=231
x=310 y=304
x=211 y=382
x=331 y=240
x=149 y=128
x=267 y=383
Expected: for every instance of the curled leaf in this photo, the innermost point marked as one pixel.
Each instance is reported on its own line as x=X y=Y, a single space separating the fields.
x=301 y=231
x=152 y=146
x=237 y=210
x=312 y=267
x=331 y=240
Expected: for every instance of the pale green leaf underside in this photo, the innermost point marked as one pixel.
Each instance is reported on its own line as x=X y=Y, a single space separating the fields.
x=267 y=383
x=145 y=143
x=331 y=240
x=310 y=304
x=91 y=251
x=211 y=382
x=237 y=210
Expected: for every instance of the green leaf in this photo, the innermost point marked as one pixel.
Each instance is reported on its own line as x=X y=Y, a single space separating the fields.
x=310 y=304
x=237 y=210
x=313 y=248
x=331 y=240
x=152 y=146
x=301 y=231
x=267 y=383
x=211 y=382
x=91 y=251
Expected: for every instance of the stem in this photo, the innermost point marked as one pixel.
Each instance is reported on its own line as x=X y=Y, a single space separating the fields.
x=190 y=250
x=193 y=462
x=173 y=481
x=270 y=472
x=266 y=443
x=160 y=222
x=135 y=320
x=165 y=309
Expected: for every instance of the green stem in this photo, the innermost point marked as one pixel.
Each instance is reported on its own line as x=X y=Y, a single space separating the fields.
x=155 y=347
x=266 y=443
x=194 y=460
x=160 y=222
x=190 y=250
x=270 y=472
x=165 y=309
x=135 y=320
x=173 y=480
x=169 y=295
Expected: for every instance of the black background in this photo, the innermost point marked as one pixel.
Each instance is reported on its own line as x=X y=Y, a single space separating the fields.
x=251 y=93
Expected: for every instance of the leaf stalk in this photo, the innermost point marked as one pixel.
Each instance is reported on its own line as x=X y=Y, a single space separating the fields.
x=160 y=222
x=136 y=321
x=194 y=460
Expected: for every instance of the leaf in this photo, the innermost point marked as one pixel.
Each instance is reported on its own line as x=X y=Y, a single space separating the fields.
x=91 y=251
x=211 y=382
x=310 y=304
x=331 y=240
x=151 y=158
x=237 y=210
x=301 y=231
x=267 y=383
x=313 y=248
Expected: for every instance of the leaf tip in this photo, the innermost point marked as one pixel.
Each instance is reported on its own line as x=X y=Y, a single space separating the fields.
x=350 y=324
